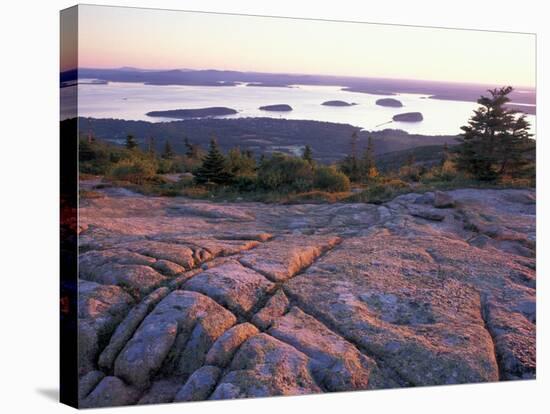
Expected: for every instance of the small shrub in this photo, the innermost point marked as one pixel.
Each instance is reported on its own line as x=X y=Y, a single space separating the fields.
x=410 y=172
x=245 y=183
x=195 y=192
x=286 y=174
x=135 y=171
x=331 y=180
x=381 y=192
x=512 y=182
x=186 y=180
x=449 y=168
x=190 y=164
x=169 y=192
x=316 y=196
x=169 y=166
x=90 y=194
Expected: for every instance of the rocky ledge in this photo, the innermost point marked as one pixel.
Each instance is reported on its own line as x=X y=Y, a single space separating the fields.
x=183 y=300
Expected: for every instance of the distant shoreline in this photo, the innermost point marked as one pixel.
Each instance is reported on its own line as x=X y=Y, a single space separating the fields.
x=262 y=135
x=376 y=86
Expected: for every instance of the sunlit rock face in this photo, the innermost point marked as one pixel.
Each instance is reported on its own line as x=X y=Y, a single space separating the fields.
x=185 y=300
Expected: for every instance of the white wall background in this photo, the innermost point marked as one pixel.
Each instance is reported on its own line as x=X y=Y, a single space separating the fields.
x=29 y=159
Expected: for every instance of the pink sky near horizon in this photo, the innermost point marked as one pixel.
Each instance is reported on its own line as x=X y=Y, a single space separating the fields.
x=111 y=37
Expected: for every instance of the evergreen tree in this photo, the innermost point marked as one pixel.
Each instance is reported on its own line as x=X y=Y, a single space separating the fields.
x=261 y=161
x=240 y=163
x=368 y=163
x=354 y=166
x=213 y=168
x=91 y=137
x=167 y=153
x=308 y=154
x=446 y=154
x=350 y=165
x=151 y=147
x=513 y=147
x=495 y=140
x=192 y=151
x=131 y=142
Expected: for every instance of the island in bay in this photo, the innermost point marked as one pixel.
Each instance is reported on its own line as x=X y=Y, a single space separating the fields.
x=390 y=102
x=338 y=103
x=408 y=117
x=193 y=113
x=276 y=108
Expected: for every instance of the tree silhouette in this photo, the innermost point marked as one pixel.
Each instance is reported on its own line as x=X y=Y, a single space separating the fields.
x=369 y=165
x=151 y=147
x=446 y=156
x=213 y=168
x=350 y=165
x=308 y=154
x=495 y=140
x=167 y=153
x=192 y=151
x=131 y=142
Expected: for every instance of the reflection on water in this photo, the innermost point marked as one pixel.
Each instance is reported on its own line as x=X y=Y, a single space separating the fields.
x=132 y=101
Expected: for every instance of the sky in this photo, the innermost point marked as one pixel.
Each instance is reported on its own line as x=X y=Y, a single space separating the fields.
x=111 y=37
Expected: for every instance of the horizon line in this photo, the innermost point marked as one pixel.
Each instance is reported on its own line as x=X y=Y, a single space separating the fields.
x=472 y=83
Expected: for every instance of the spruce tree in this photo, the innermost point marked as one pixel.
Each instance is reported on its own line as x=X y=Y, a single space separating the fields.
x=355 y=169
x=213 y=168
x=350 y=165
x=446 y=155
x=410 y=160
x=151 y=147
x=308 y=154
x=131 y=142
x=167 y=153
x=513 y=147
x=191 y=150
x=369 y=165
x=495 y=140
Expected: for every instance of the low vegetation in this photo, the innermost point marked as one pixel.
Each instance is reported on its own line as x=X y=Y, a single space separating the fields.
x=495 y=151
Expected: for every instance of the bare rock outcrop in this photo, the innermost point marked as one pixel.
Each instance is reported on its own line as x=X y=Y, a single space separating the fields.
x=136 y=279
x=265 y=366
x=395 y=306
x=182 y=327
x=100 y=309
x=233 y=285
x=183 y=300
x=338 y=365
x=284 y=257
x=127 y=327
x=111 y=391
x=225 y=347
x=276 y=307
x=200 y=385
x=443 y=200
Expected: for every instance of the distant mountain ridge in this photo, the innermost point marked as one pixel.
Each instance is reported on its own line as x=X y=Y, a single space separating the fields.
x=213 y=77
